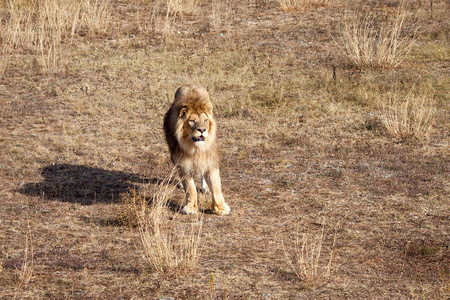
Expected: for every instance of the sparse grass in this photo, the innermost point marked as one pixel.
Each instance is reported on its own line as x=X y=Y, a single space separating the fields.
x=221 y=13
x=306 y=260
x=297 y=142
x=432 y=51
x=293 y=5
x=408 y=117
x=41 y=26
x=373 y=44
x=169 y=246
x=27 y=269
x=23 y=271
x=160 y=17
x=270 y=95
x=181 y=7
x=95 y=15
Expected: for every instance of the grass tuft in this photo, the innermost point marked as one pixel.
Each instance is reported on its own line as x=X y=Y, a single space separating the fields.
x=408 y=117
x=27 y=269
x=22 y=270
x=41 y=26
x=306 y=261
x=371 y=44
x=169 y=246
x=163 y=15
x=294 y=5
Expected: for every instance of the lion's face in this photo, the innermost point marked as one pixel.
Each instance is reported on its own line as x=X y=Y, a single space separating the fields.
x=197 y=125
x=197 y=128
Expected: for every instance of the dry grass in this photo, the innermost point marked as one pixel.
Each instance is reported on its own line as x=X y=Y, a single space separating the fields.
x=27 y=269
x=294 y=5
x=169 y=246
x=41 y=26
x=371 y=44
x=306 y=260
x=298 y=141
x=409 y=117
x=221 y=13
x=24 y=271
x=94 y=16
x=181 y=7
x=161 y=15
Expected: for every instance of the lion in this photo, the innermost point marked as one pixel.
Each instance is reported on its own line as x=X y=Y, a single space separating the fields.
x=190 y=130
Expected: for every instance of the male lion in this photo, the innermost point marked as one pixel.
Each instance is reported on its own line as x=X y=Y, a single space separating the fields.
x=190 y=131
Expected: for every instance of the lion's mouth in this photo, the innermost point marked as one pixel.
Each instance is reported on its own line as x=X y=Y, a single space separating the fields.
x=198 y=139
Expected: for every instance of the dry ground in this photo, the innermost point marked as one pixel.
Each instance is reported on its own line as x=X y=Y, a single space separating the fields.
x=301 y=148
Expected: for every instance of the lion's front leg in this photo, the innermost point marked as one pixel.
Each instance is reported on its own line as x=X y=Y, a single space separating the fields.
x=191 y=206
x=218 y=203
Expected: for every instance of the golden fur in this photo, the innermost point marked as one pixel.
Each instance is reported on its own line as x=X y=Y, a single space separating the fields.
x=190 y=130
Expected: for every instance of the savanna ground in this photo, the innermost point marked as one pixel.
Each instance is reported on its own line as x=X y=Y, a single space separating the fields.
x=305 y=146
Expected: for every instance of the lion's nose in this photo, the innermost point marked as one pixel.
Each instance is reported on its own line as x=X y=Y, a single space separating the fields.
x=201 y=130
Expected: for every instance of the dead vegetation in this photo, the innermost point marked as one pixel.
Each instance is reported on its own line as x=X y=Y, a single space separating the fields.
x=370 y=42
x=409 y=117
x=169 y=246
x=294 y=5
x=306 y=259
x=319 y=117
x=41 y=27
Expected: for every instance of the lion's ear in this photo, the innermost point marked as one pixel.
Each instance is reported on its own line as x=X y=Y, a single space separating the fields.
x=209 y=108
x=183 y=112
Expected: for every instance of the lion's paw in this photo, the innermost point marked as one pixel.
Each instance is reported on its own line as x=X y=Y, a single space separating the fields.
x=188 y=210
x=222 y=210
x=205 y=190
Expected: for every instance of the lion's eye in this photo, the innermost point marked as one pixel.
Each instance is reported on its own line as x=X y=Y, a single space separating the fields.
x=191 y=122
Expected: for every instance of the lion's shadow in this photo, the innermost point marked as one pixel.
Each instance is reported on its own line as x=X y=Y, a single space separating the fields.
x=88 y=185
x=83 y=184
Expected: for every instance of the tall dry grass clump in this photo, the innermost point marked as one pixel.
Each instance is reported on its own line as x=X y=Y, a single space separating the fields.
x=293 y=5
x=27 y=269
x=181 y=7
x=408 y=117
x=221 y=13
x=374 y=44
x=162 y=15
x=40 y=26
x=169 y=246
x=307 y=260
x=24 y=268
x=95 y=15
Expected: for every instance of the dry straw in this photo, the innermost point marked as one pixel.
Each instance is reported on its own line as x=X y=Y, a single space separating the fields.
x=164 y=13
x=408 y=117
x=373 y=44
x=40 y=26
x=169 y=246
x=27 y=269
x=294 y=5
x=306 y=261
x=22 y=275
x=221 y=13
